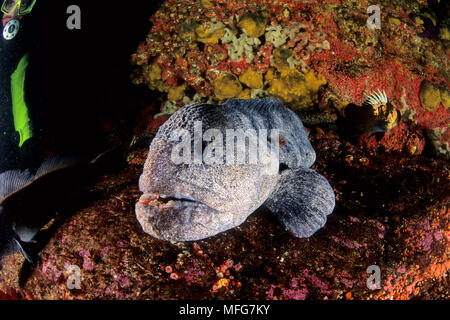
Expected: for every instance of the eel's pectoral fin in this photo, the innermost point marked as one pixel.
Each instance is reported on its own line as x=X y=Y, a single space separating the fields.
x=301 y=201
x=29 y=250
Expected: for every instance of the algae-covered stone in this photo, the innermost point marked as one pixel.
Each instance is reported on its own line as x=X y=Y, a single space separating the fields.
x=187 y=31
x=155 y=72
x=206 y=4
x=227 y=86
x=293 y=85
x=211 y=33
x=253 y=23
x=444 y=34
x=313 y=81
x=280 y=59
x=176 y=93
x=430 y=96
x=289 y=87
x=445 y=97
x=252 y=79
x=245 y=94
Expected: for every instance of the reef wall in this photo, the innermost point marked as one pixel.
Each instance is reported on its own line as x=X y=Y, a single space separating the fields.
x=392 y=197
x=310 y=54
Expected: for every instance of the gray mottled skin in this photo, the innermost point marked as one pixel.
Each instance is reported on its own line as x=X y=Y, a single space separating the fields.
x=184 y=202
x=301 y=201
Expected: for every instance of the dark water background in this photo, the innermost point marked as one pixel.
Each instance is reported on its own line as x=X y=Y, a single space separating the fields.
x=78 y=81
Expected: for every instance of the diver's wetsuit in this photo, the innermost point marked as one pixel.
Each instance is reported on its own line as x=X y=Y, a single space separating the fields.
x=58 y=89
x=11 y=54
x=7 y=141
x=75 y=79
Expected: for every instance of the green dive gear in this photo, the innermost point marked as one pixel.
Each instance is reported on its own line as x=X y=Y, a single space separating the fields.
x=22 y=122
x=22 y=6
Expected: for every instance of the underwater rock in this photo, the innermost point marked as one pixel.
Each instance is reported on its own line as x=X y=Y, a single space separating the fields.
x=210 y=33
x=252 y=79
x=227 y=86
x=430 y=96
x=185 y=199
x=402 y=138
x=240 y=29
x=332 y=40
x=292 y=86
x=253 y=23
x=392 y=211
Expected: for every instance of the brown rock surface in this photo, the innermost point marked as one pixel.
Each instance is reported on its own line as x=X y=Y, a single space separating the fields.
x=392 y=211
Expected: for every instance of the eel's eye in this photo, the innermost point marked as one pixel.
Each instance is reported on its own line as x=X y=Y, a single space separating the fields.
x=282 y=168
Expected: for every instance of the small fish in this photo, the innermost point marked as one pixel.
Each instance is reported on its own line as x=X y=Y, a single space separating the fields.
x=192 y=201
x=376 y=115
x=29 y=200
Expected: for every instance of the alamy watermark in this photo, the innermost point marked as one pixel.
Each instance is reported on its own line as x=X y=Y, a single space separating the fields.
x=226 y=147
x=74 y=279
x=374 y=21
x=74 y=20
x=374 y=280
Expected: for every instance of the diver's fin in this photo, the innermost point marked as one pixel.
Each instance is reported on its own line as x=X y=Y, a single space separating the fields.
x=109 y=160
x=55 y=163
x=301 y=201
x=27 y=249
x=110 y=153
x=13 y=180
x=60 y=162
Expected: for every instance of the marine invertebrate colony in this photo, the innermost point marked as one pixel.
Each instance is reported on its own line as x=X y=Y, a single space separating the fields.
x=388 y=117
x=201 y=45
x=329 y=41
x=376 y=114
x=190 y=201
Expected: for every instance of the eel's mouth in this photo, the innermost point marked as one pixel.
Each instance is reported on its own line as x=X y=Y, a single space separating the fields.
x=179 y=217
x=153 y=198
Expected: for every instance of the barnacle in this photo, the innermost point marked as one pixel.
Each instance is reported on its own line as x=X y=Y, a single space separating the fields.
x=382 y=109
x=377 y=99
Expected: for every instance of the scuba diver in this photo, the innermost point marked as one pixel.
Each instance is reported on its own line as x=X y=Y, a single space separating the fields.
x=44 y=90
x=49 y=85
x=48 y=120
x=60 y=90
x=16 y=130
